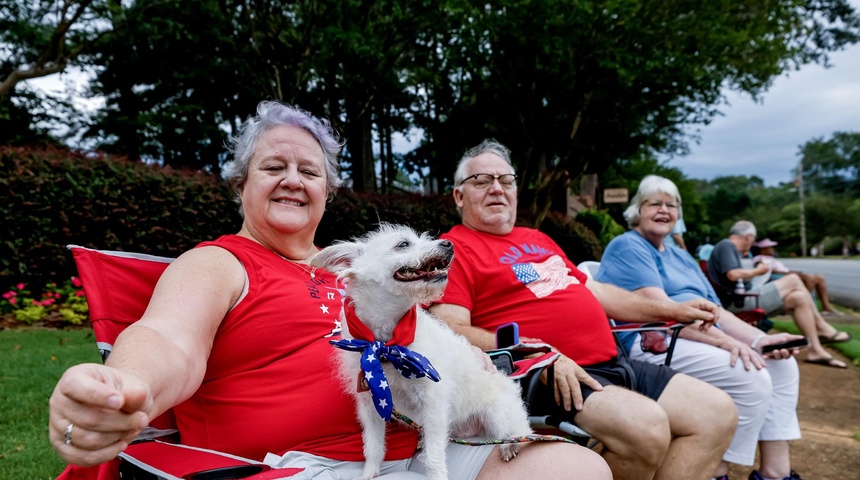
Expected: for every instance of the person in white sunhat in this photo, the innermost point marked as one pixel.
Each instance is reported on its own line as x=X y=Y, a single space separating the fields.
x=814 y=283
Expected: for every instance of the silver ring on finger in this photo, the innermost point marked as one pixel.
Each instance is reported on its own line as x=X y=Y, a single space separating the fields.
x=67 y=437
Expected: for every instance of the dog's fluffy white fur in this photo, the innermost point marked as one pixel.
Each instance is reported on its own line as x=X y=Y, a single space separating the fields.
x=385 y=273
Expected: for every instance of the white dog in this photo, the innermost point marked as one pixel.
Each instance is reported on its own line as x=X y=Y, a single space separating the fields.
x=387 y=273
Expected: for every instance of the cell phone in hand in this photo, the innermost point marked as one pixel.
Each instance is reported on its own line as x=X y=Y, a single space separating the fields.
x=507 y=335
x=503 y=360
x=799 y=343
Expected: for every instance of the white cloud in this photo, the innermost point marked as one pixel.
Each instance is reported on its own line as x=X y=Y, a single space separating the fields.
x=764 y=138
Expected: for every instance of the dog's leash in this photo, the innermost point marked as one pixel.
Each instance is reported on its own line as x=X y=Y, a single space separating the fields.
x=462 y=441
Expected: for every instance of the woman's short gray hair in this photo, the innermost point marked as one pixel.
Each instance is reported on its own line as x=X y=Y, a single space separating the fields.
x=650 y=185
x=271 y=114
x=487 y=146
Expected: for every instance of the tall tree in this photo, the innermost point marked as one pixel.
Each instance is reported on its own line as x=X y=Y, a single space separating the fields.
x=571 y=85
x=41 y=38
x=575 y=85
x=832 y=166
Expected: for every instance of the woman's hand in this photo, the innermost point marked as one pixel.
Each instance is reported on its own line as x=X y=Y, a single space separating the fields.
x=106 y=407
x=567 y=377
x=738 y=349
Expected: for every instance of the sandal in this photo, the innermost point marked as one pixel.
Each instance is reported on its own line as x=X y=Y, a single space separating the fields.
x=827 y=362
x=835 y=338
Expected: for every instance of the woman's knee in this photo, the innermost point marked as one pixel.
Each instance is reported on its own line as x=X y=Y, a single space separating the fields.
x=752 y=395
x=547 y=460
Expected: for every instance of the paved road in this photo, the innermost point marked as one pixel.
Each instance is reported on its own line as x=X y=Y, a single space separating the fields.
x=842 y=276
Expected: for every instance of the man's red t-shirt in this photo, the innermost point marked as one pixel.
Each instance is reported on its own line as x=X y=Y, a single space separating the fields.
x=525 y=277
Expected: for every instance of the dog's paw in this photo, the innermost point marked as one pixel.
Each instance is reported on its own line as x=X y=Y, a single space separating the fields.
x=509 y=450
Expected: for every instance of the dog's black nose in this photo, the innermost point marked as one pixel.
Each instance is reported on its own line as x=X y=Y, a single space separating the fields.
x=447 y=245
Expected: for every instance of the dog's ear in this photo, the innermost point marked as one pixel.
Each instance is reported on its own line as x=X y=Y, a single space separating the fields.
x=337 y=257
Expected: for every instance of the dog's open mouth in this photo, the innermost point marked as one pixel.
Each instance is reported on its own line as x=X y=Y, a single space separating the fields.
x=433 y=268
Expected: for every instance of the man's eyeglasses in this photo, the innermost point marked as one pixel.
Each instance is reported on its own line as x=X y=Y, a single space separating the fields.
x=657 y=204
x=484 y=180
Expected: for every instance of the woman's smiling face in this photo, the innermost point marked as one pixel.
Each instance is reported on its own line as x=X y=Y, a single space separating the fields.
x=286 y=185
x=657 y=217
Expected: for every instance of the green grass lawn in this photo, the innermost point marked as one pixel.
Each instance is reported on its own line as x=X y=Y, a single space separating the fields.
x=33 y=360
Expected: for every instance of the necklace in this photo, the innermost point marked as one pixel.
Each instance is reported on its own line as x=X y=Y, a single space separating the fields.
x=301 y=266
x=311 y=272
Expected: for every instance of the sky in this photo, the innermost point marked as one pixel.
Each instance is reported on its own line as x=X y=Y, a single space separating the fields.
x=764 y=138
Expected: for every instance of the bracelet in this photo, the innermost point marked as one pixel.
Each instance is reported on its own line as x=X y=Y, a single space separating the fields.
x=756 y=340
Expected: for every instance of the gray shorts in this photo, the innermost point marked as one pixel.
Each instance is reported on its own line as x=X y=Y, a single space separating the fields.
x=464 y=463
x=768 y=300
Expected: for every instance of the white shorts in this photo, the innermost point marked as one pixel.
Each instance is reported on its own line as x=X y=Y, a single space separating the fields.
x=766 y=399
x=464 y=463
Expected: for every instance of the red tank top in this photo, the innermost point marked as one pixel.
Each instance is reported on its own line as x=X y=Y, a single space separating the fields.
x=270 y=383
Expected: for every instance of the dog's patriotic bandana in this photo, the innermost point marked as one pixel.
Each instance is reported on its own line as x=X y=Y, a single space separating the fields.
x=373 y=352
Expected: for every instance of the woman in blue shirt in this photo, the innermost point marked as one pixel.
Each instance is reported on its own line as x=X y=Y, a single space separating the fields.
x=763 y=386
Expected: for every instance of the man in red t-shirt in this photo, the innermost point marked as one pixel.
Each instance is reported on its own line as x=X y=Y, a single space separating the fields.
x=671 y=426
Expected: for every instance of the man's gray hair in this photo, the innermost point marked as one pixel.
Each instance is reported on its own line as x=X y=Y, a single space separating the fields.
x=743 y=227
x=487 y=146
x=271 y=114
x=650 y=185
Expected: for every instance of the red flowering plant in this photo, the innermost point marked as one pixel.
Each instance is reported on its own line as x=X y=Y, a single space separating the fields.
x=65 y=302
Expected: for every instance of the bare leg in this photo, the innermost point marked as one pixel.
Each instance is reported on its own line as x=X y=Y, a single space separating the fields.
x=633 y=429
x=816 y=283
x=806 y=316
x=702 y=419
x=775 y=459
x=547 y=460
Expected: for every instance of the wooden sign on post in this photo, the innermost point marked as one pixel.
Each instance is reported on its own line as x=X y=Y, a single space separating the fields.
x=615 y=195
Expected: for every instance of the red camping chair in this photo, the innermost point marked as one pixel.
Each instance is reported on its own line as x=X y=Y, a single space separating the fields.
x=551 y=422
x=590 y=269
x=118 y=286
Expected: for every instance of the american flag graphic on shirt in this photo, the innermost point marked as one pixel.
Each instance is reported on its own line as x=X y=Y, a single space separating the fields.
x=545 y=277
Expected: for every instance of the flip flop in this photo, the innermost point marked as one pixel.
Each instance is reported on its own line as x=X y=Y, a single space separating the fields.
x=828 y=362
x=833 y=338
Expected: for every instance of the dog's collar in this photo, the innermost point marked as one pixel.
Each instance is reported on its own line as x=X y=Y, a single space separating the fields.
x=404 y=331
x=410 y=364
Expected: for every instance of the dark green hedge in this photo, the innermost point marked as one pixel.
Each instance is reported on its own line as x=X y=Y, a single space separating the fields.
x=53 y=197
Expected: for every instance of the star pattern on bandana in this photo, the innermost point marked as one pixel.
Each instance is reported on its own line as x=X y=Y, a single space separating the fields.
x=410 y=364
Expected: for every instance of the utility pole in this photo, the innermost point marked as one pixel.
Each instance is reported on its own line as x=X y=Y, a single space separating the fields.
x=799 y=183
